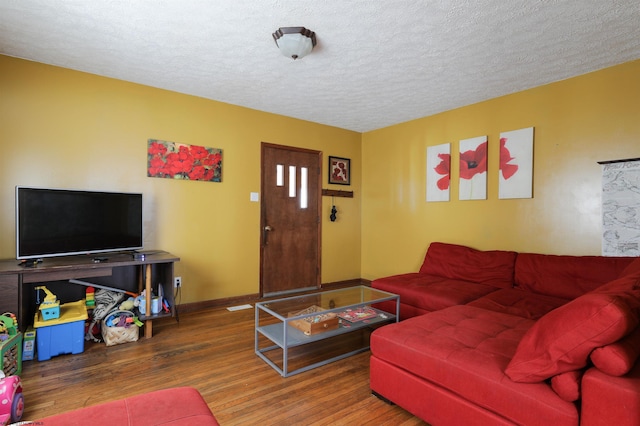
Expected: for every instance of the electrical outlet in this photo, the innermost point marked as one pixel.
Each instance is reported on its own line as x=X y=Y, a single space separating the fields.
x=177 y=282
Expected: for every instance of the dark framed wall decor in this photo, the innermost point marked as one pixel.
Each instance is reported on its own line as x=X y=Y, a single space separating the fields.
x=339 y=171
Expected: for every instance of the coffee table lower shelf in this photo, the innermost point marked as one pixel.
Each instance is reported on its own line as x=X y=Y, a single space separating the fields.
x=284 y=336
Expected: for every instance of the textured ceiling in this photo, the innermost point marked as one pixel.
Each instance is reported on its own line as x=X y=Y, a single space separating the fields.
x=377 y=63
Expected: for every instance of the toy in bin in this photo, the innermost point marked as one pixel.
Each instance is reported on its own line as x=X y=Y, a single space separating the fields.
x=120 y=327
x=50 y=307
x=11 y=399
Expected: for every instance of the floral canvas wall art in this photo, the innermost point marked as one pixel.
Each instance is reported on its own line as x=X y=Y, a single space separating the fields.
x=473 y=169
x=174 y=160
x=516 y=164
x=438 y=172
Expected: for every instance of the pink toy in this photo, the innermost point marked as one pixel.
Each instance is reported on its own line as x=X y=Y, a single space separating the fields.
x=11 y=400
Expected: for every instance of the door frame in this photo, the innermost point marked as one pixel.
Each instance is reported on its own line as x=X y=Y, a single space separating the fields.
x=319 y=212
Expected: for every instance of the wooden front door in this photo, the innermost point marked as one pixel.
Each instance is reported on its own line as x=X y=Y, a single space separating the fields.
x=290 y=220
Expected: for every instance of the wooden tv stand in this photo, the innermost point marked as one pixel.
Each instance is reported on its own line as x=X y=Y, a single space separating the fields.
x=116 y=270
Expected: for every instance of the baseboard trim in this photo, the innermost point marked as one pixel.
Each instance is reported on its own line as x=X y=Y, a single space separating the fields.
x=218 y=303
x=253 y=298
x=346 y=283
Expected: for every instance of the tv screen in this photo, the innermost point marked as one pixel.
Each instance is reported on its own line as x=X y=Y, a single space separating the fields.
x=60 y=222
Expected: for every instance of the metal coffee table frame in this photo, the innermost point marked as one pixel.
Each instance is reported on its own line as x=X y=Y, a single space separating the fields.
x=285 y=336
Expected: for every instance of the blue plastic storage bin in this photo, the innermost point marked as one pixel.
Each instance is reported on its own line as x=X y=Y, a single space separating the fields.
x=64 y=335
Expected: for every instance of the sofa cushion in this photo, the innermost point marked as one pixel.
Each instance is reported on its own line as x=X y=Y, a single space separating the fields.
x=562 y=340
x=173 y=406
x=431 y=293
x=609 y=400
x=618 y=358
x=566 y=277
x=493 y=268
x=567 y=385
x=465 y=350
x=517 y=302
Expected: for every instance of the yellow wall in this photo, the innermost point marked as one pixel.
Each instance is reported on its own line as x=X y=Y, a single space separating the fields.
x=66 y=129
x=577 y=122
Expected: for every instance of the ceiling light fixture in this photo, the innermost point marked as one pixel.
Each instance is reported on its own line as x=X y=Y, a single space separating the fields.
x=295 y=42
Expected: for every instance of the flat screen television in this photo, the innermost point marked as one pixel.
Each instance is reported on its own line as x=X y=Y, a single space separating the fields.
x=61 y=222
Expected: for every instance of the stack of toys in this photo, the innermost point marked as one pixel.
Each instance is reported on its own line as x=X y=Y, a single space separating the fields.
x=90 y=302
x=90 y=298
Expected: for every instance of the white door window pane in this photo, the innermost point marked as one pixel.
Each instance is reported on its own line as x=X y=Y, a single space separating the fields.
x=279 y=175
x=292 y=181
x=304 y=183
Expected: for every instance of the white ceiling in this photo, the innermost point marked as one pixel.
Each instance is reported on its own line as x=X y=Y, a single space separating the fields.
x=377 y=63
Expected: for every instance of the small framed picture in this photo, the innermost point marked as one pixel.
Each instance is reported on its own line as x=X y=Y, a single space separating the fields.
x=339 y=171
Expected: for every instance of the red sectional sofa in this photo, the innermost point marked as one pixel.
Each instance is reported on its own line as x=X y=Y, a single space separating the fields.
x=503 y=338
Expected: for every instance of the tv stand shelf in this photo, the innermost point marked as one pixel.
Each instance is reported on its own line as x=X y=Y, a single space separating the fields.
x=116 y=270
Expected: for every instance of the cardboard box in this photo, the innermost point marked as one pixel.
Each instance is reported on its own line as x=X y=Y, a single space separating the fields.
x=29 y=344
x=317 y=323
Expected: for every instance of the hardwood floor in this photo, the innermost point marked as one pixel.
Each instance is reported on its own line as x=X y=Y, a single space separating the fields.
x=213 y=351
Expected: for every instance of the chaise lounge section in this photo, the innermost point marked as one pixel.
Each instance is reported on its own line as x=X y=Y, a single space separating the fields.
x=499 y=337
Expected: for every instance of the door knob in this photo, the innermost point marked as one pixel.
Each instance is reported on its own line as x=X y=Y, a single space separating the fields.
x=266 y=230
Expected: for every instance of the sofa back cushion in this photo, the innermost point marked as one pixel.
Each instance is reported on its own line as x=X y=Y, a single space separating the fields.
x=562 y=340
x=494 y=268
x=566 y=277
x=632 y=268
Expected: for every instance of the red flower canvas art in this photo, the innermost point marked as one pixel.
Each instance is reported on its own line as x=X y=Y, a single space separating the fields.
x=506 y=169
x=174 y=160
x=473 y=162
x=473 y=168
x=443 y=168
x=438 y=172
x=516 y=164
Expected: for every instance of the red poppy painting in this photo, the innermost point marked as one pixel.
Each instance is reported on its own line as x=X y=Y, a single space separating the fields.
x=507 y=170
x=473 y=169
x=438 y=172
x=516 y=164
x=174 y=160
x=473 y=161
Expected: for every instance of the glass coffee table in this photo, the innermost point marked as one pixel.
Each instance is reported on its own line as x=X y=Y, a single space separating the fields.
x=284 y=324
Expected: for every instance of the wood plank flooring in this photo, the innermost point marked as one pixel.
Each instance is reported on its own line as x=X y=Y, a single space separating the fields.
x=213 y=351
